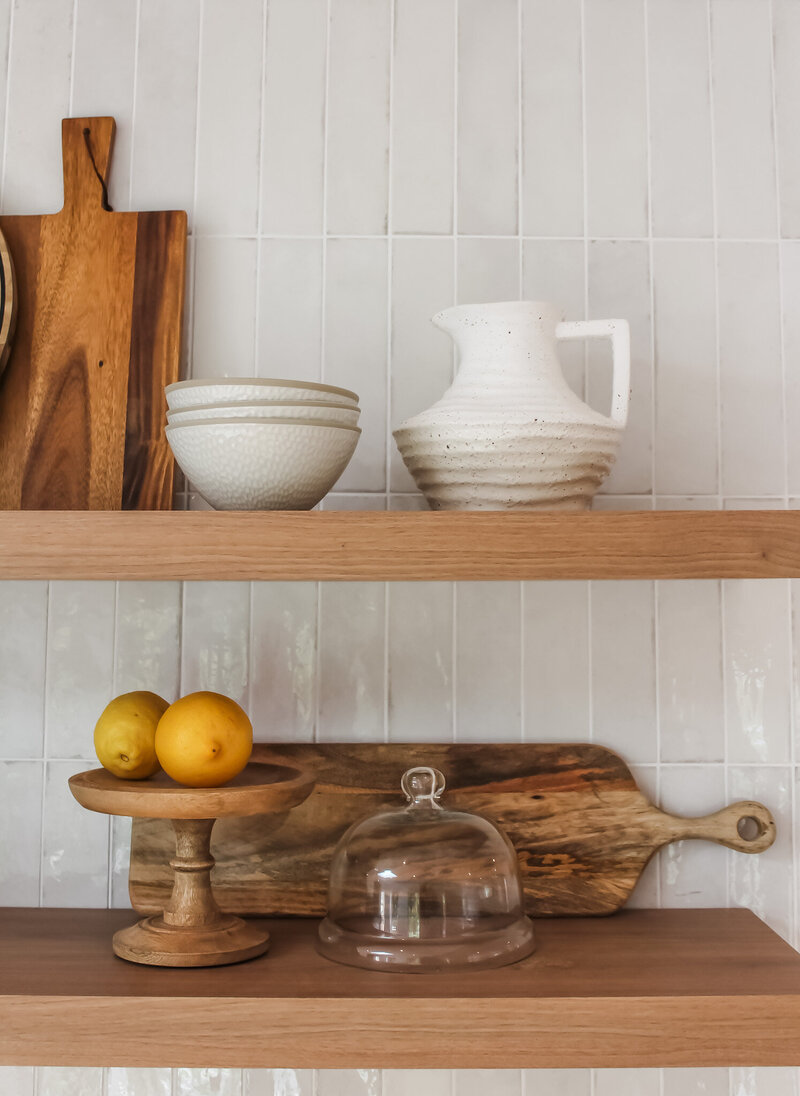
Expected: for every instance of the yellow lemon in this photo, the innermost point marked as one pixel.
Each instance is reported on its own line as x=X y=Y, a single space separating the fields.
x=124 y=736
x=204 y=739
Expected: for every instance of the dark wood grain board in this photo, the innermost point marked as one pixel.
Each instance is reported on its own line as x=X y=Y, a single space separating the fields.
x=582 y=829
x=100 y=301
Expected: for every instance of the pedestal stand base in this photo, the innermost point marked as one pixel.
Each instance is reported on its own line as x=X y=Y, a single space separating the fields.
x=155 y=943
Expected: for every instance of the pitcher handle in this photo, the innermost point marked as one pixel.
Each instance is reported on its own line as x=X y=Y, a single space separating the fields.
x=619 y=333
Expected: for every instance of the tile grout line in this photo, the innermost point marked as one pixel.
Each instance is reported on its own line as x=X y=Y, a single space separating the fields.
x=388 y=370
x=45 y=737
x=8 y=94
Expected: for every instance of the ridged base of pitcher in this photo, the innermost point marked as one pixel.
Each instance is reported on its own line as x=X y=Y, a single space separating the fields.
x=508 y=469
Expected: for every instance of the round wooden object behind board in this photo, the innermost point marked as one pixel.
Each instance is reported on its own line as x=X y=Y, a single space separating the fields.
x=8 y=303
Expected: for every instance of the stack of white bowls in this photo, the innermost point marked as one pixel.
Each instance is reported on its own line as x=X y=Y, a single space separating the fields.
x=248 y=444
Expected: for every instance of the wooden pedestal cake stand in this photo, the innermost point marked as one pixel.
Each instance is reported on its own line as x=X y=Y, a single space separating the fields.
x=192 y=931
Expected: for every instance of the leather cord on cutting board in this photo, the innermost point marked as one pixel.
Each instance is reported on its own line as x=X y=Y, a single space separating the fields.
x=106 y=204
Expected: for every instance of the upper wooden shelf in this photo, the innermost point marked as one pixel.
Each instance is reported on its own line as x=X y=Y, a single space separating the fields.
x=369 y=545
x=641 y=988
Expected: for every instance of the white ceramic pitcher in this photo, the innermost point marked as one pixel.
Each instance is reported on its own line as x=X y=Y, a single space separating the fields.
x=509 y=433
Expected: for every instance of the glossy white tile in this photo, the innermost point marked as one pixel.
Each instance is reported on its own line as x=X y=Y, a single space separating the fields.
x=148 y=637
x=420 y=661
x=421 y=354
x=283 y=661
x=757 y=670
x=69 y=1081
x=17 y=1080
x=555 y=270
x=623 y=669
x=418 y=1082
x=557 y=1082
x=618 y=275
x=358 y=117
x=165 y=127
x=552 y=118
x=751 y=399
x=476 y=1082
x=487 y=270
x=616 y=118
x=224 y=310
x=351 y=662
x=74 y=844
x=681 y=164
x=684 y=312
x=293 y=133
x=785 y=44
x=207 y=1082
x=103 y=79
x=693 y=873
x=743 y=119
x=80 y=664
x=765 y=1081
x=555 y=667
x=38 y=96
x=349 y=1082
x=20 y=833
x=278 y=1082
x=229 y=117
x=487 y=662
x=696 y=1082
x=627 y=1082
x=488 y=117
x=355 y=350
x=138 y=1082
x=216 y=638
x=23 y=637
x=290 y=309
x=119 y=898
x=690 y=694
x=790 y=287
x=423 y=116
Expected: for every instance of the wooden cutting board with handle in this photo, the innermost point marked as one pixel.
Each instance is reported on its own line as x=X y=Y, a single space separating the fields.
x=100 y=301
x=582 y=829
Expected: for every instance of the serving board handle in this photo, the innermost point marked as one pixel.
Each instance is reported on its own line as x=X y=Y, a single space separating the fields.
x=86 y=145
x=745 y=826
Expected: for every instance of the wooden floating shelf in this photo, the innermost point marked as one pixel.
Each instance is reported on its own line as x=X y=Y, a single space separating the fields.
x=369 y=545
x=643 y=988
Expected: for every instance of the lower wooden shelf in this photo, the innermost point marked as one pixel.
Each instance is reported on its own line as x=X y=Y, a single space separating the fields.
x=641 y=988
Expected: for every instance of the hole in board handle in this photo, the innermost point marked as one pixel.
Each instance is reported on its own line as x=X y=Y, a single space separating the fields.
x=749 y=828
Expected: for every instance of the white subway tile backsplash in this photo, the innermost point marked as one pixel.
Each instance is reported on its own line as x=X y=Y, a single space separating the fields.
x=229 y=117
x=785 y=44
x=696 y=1082
x=764 y=1081
x=423 y=116
x=417 y=1082
x=138 y=1082
x=356 y=348
x=420 y=661
x=555 y=270
x=17 y=1080
x=352 y=662
x=293 y=130
x=349 y=1082
x=790 y=290
x=20 y=833
x=743 y=119
x=627 y=1082
x=69 y=1081
x=476 y=1082
x=750 y=370
x=278 y=1082
x=690 y=693
x=680 y=118
x=487 y=662
x=555 y=662
x=74 y=844
x=684 y=311
x=38 y=92
x=207 y=1082
x=216 y=638
x=619 y=279
x=166 y=106
x=488 y=117
x=552 y=118
x=358 y=117
x=147 y=638
x=283 y=661
x=23 y=637
x=421 y=354
x=224 y=335
x=290 y=309
x=623 y=671
x=693 y=873
x=80 y=664
x=103 y=79
x=557 y=1082
x=487 y=270
x=757 y=671
x=616 y=118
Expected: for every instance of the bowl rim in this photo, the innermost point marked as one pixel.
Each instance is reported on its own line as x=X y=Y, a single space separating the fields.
x=316 y=424
x=261 y=403
x=261 y=382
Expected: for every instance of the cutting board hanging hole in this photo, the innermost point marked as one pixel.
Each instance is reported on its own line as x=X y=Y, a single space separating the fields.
x=87 y=134
x=749 y=828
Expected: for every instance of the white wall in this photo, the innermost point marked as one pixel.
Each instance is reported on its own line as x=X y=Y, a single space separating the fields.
x=350 y=167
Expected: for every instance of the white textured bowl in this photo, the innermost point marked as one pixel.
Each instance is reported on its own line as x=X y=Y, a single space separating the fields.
x=269 y=409
x=184 y=394
x=250 y=464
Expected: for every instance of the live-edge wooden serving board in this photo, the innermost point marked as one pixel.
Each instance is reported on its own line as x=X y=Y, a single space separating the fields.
x=582 y=829
x=100 y=300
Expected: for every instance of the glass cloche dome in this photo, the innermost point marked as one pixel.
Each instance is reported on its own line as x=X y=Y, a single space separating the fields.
x=423 y=888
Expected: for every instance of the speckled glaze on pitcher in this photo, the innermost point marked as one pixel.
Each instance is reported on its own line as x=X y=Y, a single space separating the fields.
x=509 y=433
